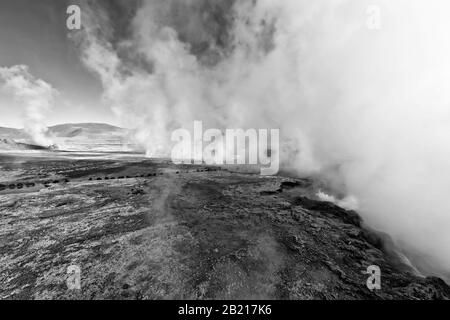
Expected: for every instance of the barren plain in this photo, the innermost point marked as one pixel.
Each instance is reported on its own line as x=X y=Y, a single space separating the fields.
x=148 y=229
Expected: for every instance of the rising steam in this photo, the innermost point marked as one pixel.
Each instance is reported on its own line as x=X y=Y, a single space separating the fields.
x=37 y=97
x=368 y=109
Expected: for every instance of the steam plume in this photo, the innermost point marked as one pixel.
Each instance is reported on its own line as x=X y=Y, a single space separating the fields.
x=369 y=110
x=36 y=95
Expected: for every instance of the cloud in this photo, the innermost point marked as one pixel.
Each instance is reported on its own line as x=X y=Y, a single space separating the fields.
x=368 y=110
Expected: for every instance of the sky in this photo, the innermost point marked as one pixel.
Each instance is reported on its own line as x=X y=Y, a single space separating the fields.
x=34 y=33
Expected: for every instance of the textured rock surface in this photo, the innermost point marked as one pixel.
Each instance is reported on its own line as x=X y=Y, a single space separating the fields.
x=163 y=232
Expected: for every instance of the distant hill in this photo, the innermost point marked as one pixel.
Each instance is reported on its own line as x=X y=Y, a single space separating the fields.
x=72 y=136
x=11 y=133
x=71 y=130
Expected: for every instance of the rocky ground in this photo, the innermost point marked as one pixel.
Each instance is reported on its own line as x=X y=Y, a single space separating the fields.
x=146 y=229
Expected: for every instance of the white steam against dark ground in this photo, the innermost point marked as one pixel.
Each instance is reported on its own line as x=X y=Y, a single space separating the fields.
x=367 y=109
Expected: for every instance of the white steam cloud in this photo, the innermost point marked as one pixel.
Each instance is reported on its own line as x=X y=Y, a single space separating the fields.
x=349 y=203
x=368 y=109
x=36 y=95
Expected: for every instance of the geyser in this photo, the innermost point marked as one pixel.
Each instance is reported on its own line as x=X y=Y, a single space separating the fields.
x=369 y=109
x=37 y=97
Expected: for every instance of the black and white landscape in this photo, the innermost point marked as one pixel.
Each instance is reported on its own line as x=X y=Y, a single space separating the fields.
x=95 y=96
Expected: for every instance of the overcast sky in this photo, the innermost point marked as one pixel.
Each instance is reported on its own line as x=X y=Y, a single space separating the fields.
x=34 y=33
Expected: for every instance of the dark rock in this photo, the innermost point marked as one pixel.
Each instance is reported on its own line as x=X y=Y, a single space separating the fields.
x=329 y=209
x=62 y=204
x=286 y=185
x=269 y=192
x=137 y=191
